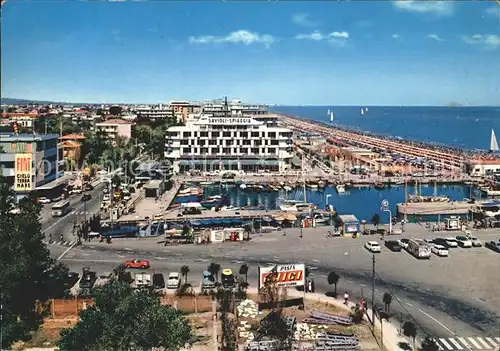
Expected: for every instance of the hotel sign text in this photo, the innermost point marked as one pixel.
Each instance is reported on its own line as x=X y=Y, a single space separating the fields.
x=230 y=120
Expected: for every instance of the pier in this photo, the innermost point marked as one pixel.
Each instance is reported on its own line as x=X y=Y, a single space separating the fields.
x=434 y=208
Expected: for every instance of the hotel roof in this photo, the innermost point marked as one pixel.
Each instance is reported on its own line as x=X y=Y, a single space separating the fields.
x=11 y=137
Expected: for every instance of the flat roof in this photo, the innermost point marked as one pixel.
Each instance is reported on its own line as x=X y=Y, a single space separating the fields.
x=348 y=218
x=12 y=137
x=55 y=183
x=153 y=184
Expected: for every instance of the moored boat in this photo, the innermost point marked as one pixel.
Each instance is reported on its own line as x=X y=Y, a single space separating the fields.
x=340 y=188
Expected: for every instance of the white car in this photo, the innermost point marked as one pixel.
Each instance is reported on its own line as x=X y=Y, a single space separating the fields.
x=126 y=197
x=173 y=281
x=105 y=198
x=475 y=241
x=372 y=246
x=439 y=250
x=44 y=200
x=451 y=241
x=464 y=241
x=102 y=172
x=229 y=208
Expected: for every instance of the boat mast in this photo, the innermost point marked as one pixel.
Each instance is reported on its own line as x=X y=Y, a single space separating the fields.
x=406 y=199
x=303 y=179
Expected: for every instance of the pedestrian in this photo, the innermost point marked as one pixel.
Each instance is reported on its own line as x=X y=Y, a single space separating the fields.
x=346 y=298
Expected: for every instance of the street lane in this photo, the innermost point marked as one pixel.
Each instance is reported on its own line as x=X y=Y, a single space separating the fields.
x=64 y=225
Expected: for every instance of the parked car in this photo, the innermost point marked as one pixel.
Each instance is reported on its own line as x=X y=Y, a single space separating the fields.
x=463 y=241
x=137 y=264
x=442 y=242
x=372 y=246
x=451 y=241
x=227 y=278
x=105 y=198
x=393 y=245
x=44 y=200
x=173 y=281
x=439 y=250
x=403 y=242
x=208 y=281
x=158 y=281
x=429 y=241
x=475 y=241
x=493 y=245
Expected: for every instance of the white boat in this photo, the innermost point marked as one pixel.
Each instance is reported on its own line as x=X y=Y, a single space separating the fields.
x=295 y=206
x=340 y=188
x=331 y=116
x=206 y=182
x=243 y=186
x=362 y=111
x=493 y=142
x=287 y=188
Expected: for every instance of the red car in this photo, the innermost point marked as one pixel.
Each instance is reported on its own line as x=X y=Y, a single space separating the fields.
x=136 y=264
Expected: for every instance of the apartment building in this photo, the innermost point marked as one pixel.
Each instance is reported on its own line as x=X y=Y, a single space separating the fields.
x=241 y=142
x=28 y=161
x=156 y=112
x=115 y=127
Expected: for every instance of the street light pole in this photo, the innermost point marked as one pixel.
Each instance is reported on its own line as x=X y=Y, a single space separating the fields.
x=373 y=289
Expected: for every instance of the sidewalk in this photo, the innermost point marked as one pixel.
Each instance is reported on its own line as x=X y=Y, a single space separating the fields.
x=390 y=332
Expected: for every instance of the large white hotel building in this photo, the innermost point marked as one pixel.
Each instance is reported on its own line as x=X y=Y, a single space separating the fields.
x=230 y=137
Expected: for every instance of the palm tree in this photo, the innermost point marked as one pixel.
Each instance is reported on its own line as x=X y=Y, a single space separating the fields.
x=333 y=278
x=244 y=271
x=429 y=344
x=410 y=330
x=387 y=301
x=214 y=269
x=184 y=272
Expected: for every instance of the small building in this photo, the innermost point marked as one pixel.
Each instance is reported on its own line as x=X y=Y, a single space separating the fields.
x=482 y=168
x=154 y=188
x=350 y=224
x=70 y=149
x=114 y=128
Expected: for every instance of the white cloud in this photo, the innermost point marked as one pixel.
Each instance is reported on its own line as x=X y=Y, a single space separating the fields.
x=302 y=19
x=237 y=37
x=313 y=36
x=333 y=37
x=438 y=8
x=488 y=41
x=434 y=37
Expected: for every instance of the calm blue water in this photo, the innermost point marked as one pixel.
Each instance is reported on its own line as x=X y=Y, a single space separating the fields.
x=463 y=127
x=362 y=202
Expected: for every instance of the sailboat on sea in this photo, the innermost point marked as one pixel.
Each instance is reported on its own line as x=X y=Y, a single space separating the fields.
x=331 y=116
x=362 y=111
x=328 y=112
x=493 y=142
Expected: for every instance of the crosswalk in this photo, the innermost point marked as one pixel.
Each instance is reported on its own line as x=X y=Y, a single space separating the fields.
x=60 y=243
x=81 y=213
x=475 y=343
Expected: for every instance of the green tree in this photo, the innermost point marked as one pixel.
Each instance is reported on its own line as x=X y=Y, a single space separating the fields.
x=124 y=320
x=184 y=272
x=28 y=273
x=429 y=344
x=333 y=279
x=244 y=271
x=115 y=110
x=214 y=269
x=387 y=299
x=376 y=220
x=410 y=330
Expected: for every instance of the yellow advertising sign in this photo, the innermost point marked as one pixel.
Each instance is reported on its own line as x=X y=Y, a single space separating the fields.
x=23 y=170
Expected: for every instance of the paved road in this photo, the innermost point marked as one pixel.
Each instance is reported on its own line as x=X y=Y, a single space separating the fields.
x=63 y=225
x=448 y=297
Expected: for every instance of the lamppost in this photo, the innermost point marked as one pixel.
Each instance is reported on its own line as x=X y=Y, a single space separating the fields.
x=327 y=196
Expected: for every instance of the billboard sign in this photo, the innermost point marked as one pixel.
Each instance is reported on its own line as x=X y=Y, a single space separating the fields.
x=283 y=275
x=23 y=172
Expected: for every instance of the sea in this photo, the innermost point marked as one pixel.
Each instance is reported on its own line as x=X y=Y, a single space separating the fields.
x=461 y=127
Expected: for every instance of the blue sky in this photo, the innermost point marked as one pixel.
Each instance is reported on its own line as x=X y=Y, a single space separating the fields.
x=307 y=53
